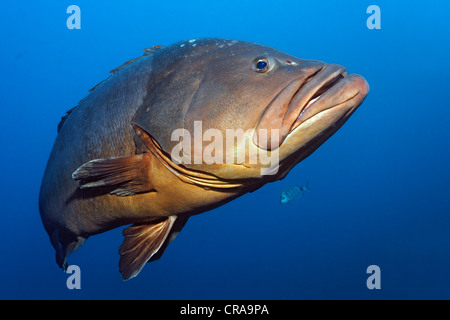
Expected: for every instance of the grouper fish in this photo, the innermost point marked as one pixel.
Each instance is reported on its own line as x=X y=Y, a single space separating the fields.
x=129 y=153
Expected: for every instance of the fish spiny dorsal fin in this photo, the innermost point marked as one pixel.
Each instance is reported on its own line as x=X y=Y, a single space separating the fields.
x=147 y=51
x=141 y=242
x=64 y=118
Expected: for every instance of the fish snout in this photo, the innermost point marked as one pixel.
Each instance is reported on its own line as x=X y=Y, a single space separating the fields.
x=329 y=87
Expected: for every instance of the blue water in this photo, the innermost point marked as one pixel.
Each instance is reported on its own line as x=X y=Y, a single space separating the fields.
x=379 y=187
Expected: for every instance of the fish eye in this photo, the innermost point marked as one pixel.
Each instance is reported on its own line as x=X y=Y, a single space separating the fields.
x=261 y=65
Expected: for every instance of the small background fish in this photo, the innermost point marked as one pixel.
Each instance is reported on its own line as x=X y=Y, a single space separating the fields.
x=292 y=193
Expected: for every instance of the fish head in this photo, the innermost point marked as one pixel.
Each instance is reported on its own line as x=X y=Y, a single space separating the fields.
x=240 y=103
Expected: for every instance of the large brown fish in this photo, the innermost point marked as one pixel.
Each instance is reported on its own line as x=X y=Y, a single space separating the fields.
x=135 y=150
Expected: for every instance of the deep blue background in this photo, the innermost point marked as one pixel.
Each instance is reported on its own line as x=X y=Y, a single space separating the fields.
x=380 y=185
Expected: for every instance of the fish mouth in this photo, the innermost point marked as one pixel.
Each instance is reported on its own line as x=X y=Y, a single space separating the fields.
x=303 y=99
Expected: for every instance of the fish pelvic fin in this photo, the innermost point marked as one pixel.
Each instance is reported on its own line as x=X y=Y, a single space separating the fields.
x=141 y=243
x=125 y=176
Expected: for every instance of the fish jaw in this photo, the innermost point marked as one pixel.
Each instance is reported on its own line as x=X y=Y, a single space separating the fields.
x=321 y=117
x=347 y=91
x=328 y=87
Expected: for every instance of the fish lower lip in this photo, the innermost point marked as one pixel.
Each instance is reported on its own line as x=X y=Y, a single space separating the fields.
x=324 y=88
x=310 y=92
x=321 y=91
x=339 y=90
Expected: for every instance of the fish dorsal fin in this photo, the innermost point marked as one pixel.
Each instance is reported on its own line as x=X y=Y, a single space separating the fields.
x=64 y=118
x=147 y=51
x=141 y=242
x=124 y=176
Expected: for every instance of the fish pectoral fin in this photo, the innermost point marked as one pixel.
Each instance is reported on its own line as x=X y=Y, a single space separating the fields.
x=141 y=243
x=124 y=175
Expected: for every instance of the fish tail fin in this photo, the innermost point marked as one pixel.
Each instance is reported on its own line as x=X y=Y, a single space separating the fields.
x=307 y=186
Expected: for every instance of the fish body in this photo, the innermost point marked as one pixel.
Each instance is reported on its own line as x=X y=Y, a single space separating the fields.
x=119 y=158
x=292 y=193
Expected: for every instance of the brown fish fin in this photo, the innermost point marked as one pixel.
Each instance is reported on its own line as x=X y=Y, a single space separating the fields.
x=147 y=51
x=176 y=228
x=124 y=175
x=141 y=242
